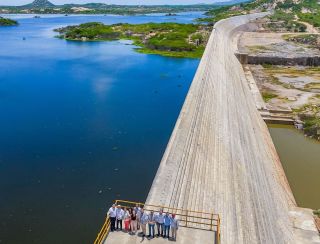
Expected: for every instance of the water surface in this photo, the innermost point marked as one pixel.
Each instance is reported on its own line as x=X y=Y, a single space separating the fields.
x=300 y=157
x=81 y=124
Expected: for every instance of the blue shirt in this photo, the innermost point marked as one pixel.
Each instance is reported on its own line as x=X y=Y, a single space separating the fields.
x=167 y=220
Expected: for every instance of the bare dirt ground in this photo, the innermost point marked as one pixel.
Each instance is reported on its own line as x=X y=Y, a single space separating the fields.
x=274 y=45
x=292 y=87
x=295 y=88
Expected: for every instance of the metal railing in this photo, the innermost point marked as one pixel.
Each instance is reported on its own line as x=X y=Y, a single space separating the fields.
x=187 y=218
x=103 y=232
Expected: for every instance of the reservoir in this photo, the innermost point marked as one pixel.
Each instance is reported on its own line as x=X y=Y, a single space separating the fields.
x=82 y=124
x=300 y=157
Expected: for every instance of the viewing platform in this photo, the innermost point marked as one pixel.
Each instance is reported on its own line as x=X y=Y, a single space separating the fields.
x=194 y=227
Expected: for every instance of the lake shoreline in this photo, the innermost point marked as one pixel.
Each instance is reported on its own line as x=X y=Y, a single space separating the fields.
x=166 y=39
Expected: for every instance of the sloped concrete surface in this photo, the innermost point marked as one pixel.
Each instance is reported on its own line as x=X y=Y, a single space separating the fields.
x=220 y=157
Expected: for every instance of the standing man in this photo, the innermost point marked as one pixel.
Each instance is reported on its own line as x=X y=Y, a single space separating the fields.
x=112 y=214
x=167 y=223
x=119 y=216
x=151 y=223
x=160 y=221
x=138 y=213
x=174 y=226
x=143 y=222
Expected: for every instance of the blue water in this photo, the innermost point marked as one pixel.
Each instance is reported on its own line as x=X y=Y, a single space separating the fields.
x=81 y=124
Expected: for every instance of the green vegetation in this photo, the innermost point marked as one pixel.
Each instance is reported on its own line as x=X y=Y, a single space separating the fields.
x=168 y=39
x=224 y=12
x=312 y=16
x=317 y=212
x=283 y=17
x=310 y=115
x=284 y=21
x=310 y=40
x=220 y=13
x=7 y=22
x=311 y=122
x=267 y=96
x=307 y=10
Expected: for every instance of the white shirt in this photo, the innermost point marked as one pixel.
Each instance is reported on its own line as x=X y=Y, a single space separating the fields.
x=119 y=213
x=160 y=218
x=112 y=212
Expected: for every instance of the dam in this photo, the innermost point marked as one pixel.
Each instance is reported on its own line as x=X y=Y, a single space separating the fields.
x=221 y=158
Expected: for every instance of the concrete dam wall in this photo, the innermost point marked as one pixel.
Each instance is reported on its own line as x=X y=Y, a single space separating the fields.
x=245 y=58
x=221 y=157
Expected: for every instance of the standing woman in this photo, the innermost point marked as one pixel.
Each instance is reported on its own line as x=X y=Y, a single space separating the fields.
x=126 y=220
x=133 y=222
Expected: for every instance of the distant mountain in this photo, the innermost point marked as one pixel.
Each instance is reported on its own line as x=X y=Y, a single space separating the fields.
x=46 y=7
x=41 y=4
x=48 y=4
x=231 y=2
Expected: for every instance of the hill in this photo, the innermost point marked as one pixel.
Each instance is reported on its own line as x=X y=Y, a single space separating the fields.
x=46 y=7
x=287 y=15
x=40 y=4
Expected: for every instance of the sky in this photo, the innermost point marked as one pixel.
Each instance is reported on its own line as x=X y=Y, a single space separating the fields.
x=150 y=2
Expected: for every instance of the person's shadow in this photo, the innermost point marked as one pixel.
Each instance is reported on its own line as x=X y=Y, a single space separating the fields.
x=140 y=234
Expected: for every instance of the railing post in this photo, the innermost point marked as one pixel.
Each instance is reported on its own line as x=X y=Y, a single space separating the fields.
x=218 y=231
x=211 y=224
x=186 y=218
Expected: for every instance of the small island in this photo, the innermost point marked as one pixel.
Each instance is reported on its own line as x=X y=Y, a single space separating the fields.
x=171 y=14
x=7 y=22
x=167 y=39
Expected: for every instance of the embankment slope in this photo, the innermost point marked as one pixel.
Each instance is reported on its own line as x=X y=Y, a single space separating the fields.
x=221 y=157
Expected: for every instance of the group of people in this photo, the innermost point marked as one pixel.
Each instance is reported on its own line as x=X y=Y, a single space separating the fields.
x=136 y=218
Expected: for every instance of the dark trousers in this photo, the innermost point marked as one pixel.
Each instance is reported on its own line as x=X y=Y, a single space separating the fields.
x=151 y=230
x=160 y=229
x=167 y=231
x=113 y=223
x=119 y=222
